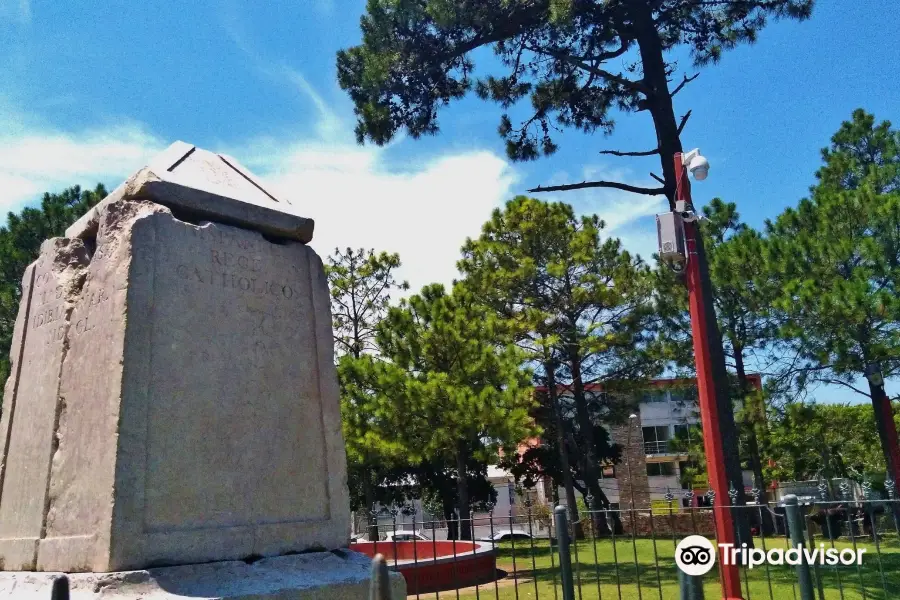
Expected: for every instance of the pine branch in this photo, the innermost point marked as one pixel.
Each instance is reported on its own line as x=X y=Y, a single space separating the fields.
x=636 y=86
x=684 y=121
x=845 y=384
x=622 y=49
x=686 y=81
x=641 y=153
x=600 y=184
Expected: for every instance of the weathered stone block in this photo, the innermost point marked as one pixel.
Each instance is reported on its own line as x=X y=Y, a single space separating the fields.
x=173 y=399
x=201 y=184
x=316 y=576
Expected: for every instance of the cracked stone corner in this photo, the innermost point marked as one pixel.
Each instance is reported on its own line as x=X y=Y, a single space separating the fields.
x=70 y=259
x=117 y=217
x=134 y=188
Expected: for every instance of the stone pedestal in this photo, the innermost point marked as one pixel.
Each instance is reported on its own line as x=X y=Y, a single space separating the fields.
x=173 y=397
x=316 y=576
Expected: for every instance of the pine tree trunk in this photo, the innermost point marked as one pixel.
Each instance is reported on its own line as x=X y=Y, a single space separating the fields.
x=590 y=464
x=754 y=458
x=462 y=490
x=659 y=101
x=571 y=503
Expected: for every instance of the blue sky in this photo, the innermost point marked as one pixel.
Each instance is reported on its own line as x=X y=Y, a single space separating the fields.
x=89 y=91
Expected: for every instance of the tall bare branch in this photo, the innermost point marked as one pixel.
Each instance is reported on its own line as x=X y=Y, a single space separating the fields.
x=600 y=184
x=686 y=81
x=641 y=153
x=683 y=122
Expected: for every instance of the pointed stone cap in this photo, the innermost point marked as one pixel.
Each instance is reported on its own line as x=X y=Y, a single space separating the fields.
x=201 y=185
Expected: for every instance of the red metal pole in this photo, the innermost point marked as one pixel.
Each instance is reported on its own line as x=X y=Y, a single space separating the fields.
x=709 y=408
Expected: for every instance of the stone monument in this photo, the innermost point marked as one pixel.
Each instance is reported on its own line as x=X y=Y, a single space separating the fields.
x=173 y=400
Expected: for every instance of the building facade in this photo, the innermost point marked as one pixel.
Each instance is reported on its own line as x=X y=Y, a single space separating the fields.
x=653 y=438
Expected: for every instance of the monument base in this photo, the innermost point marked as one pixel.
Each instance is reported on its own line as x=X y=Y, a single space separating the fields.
x=341 y=575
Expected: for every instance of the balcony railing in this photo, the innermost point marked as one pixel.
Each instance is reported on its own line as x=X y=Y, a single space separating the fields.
x=658 y=447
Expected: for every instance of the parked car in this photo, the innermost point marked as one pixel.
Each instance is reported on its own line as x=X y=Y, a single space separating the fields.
x=406 y=536
x=507 y=535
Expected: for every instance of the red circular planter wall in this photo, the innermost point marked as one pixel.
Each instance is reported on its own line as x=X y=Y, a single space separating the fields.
x=430 y=566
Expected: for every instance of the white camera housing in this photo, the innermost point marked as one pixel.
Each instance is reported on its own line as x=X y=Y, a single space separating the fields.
x=696 y=164
x=670 y=231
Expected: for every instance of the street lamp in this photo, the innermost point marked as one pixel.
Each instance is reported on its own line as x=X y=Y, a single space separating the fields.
x=632 y=419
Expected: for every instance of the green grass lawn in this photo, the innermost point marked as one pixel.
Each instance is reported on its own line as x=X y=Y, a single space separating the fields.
x=610 y=571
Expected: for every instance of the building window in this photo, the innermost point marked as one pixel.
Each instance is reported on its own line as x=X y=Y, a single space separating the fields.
x=654 y=396
x=656 y=439
x=685 y=432
x=663 y=469
x=685 y=465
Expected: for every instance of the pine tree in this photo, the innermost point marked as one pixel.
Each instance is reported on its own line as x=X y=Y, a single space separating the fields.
x=468 y=394
x=361 y=284
x=416 y=56
x=579 y=305
x=744 y=292
x=838 y=257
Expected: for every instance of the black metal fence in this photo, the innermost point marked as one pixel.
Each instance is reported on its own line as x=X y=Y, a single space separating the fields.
x=630 y=554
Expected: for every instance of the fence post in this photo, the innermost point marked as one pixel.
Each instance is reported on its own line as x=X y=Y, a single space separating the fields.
x=795 y=525
x=565 y=560
x=380 y=586
x=691 y=586
x=60 y=590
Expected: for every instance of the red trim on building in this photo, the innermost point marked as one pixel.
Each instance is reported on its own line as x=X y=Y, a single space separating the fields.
x=754 y=378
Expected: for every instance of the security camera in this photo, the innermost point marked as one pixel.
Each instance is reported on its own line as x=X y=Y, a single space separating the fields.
x=699 y=168
x=696 y=164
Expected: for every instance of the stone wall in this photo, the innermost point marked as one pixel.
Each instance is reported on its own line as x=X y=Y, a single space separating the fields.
x=683 y=523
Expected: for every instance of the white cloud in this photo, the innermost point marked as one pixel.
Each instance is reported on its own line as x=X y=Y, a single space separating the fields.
x=324 y=7
x=358 y=198
x=424 y=210
x=34 y=160
x=424 y=213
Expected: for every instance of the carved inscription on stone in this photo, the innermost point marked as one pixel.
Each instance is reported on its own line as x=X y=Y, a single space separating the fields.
x=234 y=334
